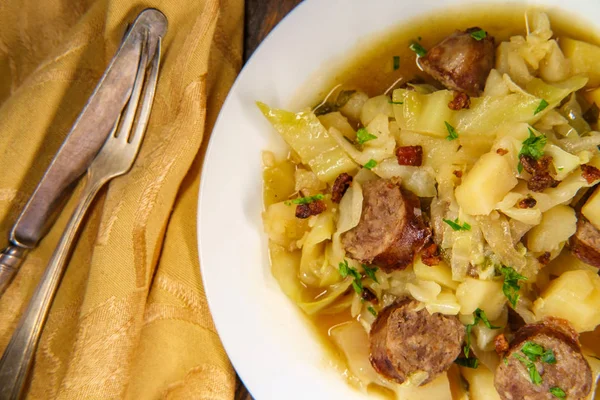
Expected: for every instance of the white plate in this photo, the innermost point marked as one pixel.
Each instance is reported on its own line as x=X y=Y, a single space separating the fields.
x=270 y=344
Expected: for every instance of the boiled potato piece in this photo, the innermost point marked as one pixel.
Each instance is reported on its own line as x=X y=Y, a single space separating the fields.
x=490 y=179
x=557 y=226
x=440 y=273
x=591 y=209
x=444 y=303
x=375 y=106
x=481 y=383
x=566 y=261
x=584 y=57
x=476 y=293
x=574 y=296
x=339 y=122
x=282 y=226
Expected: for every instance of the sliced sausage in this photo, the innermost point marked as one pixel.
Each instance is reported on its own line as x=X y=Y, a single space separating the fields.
x=571 y=372
x=461 y=62
x=585 y=243
x=404 y=341
x=391 y=229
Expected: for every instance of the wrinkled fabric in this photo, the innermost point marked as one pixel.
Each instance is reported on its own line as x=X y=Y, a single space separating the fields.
x=130 y=319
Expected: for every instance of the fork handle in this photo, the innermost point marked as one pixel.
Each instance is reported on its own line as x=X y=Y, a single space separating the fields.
x=18 y=356
x=11 y=259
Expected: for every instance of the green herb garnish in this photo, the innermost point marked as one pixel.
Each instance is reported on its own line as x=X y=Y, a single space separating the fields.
x=467 y=362
x=505 y=361
x=533 y=147
x=452 y=134
x=363 y=136
x=541 y=107
x=396 y=62
x=346 y=270
x=456 y=226
x=534 y=375
x=371 y=164
x=479 y=315
x=558 y=392
x=372 y=311
x=548 y=357
x=532 y=350
x=370 y=271
x=479 y=35
x=417 y=48
x=395 y=102
x=305 y=200
x=511 y=287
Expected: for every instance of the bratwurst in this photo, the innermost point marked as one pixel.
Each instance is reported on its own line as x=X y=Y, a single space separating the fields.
x=566 y=369
x=404 y=341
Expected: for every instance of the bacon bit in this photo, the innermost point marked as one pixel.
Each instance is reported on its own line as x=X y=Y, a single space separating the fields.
x=458 y=174
x=590 y=173
x=501 y=344
x=502 y=152
x=461 y=100
x=314 y=208
x=544 y=259
x=527 y=202
x=410 y=155
x=341 y=184
x=431 y=255
x=540 y=169
x=368 y=295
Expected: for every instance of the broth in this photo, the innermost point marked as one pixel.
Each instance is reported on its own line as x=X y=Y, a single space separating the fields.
x=371 y=69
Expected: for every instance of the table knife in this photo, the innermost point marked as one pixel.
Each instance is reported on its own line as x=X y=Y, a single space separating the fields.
x=80 y=146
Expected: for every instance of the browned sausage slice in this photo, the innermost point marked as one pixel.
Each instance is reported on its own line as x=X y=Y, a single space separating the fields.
x=571 y=372
x=460 y=62
x=585 y=243
x=391 y=229
x=404 y=341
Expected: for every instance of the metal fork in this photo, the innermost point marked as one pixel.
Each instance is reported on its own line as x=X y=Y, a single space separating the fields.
x=114 y=159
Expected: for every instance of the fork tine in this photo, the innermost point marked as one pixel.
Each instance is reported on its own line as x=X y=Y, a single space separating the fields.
x=128 y=116
x=147 y=97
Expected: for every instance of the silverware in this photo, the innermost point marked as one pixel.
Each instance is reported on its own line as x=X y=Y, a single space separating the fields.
x=114 y=159
x=81 y=145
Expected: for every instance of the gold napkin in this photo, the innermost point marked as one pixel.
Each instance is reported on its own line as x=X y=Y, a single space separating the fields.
x=130 y=319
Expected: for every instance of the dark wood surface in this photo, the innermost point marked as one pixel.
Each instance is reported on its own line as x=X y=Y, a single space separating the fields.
x=261 y=18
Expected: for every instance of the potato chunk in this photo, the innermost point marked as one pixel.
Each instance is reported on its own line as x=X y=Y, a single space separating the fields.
x=574 y=296
x=584 y=57
x=490 y=179
x=476 y=293
x=591 y=209
x=557 y=226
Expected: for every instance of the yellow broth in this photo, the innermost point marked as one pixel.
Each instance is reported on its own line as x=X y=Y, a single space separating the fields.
x=371 y=69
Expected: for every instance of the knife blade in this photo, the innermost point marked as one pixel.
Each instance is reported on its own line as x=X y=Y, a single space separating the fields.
x=81 y=144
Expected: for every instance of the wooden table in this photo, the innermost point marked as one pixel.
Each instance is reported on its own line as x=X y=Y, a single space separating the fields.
x=261 y=18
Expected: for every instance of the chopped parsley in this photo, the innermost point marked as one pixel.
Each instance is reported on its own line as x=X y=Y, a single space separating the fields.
x=505 y=361
x=395 y=102
x=558 y=392
x=371 y=164
x=534 y=375
x=417 y=48
x=452 y=134
x=305 y=200
x=511 y=287
x=363 y=136
x=533 y=147
x=467 y=362
x=548 y=357
x=370 y=271
x=346 y=270
x=396 y=60
x=541 y=107
x=479 y=35
x=372 y=311
x=532 y=350
x=479 y=315
x=456 y=226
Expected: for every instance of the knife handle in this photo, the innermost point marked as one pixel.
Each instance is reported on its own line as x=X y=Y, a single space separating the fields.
x=11 y=259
